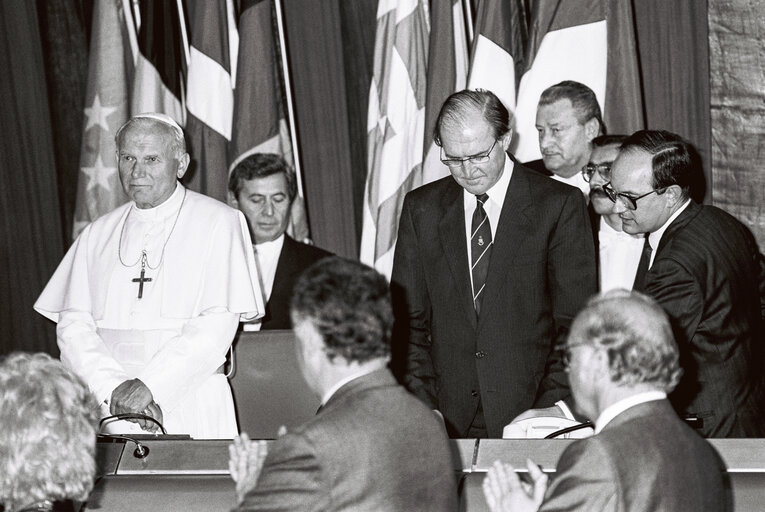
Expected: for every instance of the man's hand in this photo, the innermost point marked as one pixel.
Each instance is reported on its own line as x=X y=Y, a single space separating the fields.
x=246 y=459
x=155 y=412
x=131 y=396
x=505 y=492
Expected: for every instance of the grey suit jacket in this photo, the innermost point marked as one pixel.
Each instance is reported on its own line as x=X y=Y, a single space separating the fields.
x=371 y=447
x=645 y=459
x=542 y=270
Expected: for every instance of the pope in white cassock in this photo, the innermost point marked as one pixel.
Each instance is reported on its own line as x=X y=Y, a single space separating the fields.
x=148 y=298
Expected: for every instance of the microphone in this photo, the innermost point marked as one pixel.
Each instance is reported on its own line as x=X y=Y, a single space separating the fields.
x=140 y=452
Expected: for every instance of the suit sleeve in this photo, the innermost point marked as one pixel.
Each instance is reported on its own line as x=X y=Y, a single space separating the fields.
x=571 y=278
x=584 y=480
x=291 y=479
x=678 y=293
x=412 y=337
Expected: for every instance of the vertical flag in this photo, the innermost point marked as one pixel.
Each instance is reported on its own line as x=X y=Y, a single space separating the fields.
x=110 y=66
x=498 y=49
x=210 y=94
x=259 y=124
x=395 y=124
x=448 y=52
x=589 y=41
x=158 y=85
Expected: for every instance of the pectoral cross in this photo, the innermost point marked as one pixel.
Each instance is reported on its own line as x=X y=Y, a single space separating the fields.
x=142 y=279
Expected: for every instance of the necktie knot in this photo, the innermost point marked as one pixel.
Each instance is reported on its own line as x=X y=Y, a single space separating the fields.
x=482 y=198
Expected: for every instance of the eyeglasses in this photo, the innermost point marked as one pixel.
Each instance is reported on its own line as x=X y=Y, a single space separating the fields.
x=604 y=169
x=567 y=352
x=480 y=158
x=628 y=201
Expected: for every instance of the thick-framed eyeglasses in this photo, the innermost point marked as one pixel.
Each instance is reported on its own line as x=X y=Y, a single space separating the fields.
x=480 y=158
x=567 y=352
x=604 y=169
x=626 y=200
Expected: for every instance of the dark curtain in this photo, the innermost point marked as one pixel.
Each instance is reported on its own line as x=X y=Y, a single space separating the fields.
x=31 y=237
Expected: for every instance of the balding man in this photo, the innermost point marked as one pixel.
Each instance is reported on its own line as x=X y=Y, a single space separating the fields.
x=148 y=298
x=622 y=361
x=494 y=261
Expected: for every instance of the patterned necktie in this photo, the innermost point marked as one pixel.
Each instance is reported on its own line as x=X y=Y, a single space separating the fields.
x=480 y=249
x=642 y=270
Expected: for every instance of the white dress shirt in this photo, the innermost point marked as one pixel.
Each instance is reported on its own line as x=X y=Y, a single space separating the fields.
x=619 y=257
x=655 y=238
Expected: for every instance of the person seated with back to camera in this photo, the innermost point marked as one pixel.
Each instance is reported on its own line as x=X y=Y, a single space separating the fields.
x=47 y=435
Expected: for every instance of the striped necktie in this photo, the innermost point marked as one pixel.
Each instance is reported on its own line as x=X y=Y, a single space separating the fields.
x=480 y=249
x=643 y=265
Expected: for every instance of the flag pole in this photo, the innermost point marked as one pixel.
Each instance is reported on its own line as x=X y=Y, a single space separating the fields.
x=288 y=94
x=468 y=21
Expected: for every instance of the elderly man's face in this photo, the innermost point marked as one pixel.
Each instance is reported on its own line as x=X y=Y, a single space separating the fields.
x=265 y=202
x=474 y=137
x=563 y=140
x=148 y=166
x=602 y=156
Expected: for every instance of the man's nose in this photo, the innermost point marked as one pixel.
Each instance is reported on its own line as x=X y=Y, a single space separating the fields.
x=618 y=206
x=138 y=170
x=545 y=139
x=268 y=209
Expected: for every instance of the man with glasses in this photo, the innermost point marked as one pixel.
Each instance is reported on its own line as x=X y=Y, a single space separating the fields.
x=493 y=262
x=704 y=268
x=568 y=118
x=618 y=252
x=623 y=362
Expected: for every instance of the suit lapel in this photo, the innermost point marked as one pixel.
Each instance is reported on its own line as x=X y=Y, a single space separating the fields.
x=684 y=218
x=514 y=225
x=451 y=231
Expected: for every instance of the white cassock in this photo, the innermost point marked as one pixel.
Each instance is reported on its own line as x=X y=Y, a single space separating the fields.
x=175 y=337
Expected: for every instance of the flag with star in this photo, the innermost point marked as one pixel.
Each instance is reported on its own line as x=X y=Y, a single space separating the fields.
x=395 y=124
x=110 y=67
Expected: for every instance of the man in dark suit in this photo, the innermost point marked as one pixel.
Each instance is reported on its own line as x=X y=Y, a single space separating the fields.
x=623 y=361
x=371 y=445
x=705 y=271
x=492 y=262
x=264 y=187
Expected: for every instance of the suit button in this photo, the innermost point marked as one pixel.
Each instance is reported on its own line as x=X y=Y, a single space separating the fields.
x=480 y=354
x=474 y=393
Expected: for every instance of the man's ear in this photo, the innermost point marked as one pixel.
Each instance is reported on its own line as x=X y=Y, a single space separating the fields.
x=232 y=200
x=183 y=165
x=592 y=128
x=674 y=195
x=506 y=139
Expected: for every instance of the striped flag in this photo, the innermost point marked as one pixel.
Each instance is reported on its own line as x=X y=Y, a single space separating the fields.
x=158 y=85
x=448 y=49
x=259 y=124
x=589 y=41
x=395 y=124
x=210 y=99
x=110 y=67
x=496 y=62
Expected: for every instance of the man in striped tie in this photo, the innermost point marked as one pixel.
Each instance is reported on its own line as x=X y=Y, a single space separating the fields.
x=492 y=264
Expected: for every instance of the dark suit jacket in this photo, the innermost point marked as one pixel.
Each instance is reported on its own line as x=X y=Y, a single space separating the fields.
x=707 y=277
x=645 y=459
x=538 y=166
x=541 y=272
x=372 y=447
x=293 y=260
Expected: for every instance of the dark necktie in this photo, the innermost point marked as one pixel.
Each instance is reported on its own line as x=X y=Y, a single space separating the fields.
x=642 y=270
x=480 y=249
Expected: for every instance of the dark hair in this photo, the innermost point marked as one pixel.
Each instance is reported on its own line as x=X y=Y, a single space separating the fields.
x=458 y=105
x=349 y=304
x=260 y=165
x=582 y=99
x=674 y=162
x=602 y=141
x=636 y=335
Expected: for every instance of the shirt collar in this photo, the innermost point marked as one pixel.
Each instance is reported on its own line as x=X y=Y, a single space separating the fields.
x=577 y=180
x=615 y=409
x=162 y=211
x=655 y=237
x=342 y=382
x=497 y=192
x=270 y=247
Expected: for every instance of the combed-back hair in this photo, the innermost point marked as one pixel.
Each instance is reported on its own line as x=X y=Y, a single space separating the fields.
x=176 y=138
x=582 y=99
x=48 y=434
x=349 y=304
x=608 y=140
x=459 y=105
x=636 y=335
x=261 y=165
x=674 y=160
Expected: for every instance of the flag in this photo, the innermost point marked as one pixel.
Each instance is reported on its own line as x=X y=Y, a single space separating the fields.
x=158 y=85
x=448 y=52
x=589 y=41
x=259 y=124
x=395 y=124
x=496 y=62
x=110 y=67
x=210 y=94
